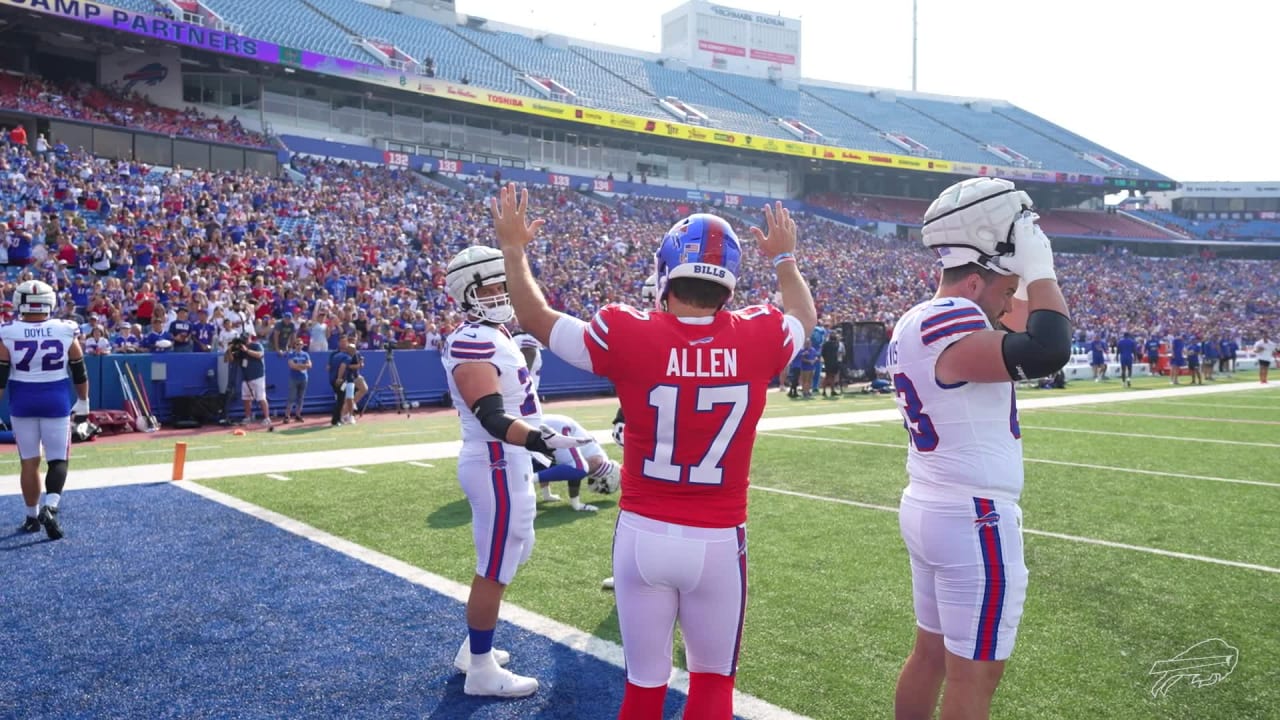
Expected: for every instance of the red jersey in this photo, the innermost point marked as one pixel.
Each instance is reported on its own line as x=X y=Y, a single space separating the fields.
x=692 y=395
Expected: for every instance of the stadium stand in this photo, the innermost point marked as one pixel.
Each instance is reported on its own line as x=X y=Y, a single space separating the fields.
x=297 y=26
x=363 y=248
x=1212 y=229
x=81 y=101
x=629 y=83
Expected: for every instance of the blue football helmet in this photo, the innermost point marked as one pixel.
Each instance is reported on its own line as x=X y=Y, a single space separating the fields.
x=700 y=246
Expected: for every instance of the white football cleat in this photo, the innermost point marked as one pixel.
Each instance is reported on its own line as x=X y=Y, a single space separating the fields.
x=548 y=496
x=583 y=507
x=494 y=681
x=607 y=584
x=462 y=661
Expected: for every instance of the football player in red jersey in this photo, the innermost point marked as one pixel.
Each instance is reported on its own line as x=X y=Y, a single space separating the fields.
x=692 y=379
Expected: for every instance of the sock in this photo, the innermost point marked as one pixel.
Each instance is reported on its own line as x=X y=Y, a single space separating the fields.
x=51 y=499
x=710 y=697
x=560 y=472
x=642 y=703
x=33 y=510
x=481 y=641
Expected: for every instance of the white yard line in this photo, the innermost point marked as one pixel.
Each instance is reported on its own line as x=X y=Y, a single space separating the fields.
x=350 y=457
x=1275 y=406
x=1214 y=441
x=274 y=476
x=1109 y=468
x=190 y=448
x=1043 y=533
x=356 y=471
x=415 y=463
x=1157 y=416
x=746 y=706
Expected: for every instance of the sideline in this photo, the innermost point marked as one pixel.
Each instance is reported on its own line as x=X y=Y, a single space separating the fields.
x=420 y=452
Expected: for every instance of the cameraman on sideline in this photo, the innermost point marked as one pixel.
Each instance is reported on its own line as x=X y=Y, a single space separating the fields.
x=355 y=387
x=247 y=353
x=338 y=361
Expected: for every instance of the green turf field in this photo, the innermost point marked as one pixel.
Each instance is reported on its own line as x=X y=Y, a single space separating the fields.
x=829 y=620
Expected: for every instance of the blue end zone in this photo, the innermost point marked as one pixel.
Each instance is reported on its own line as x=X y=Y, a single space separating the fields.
x=159 y=603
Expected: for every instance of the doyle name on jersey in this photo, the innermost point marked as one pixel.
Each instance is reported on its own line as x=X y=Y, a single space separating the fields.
x=39 y=331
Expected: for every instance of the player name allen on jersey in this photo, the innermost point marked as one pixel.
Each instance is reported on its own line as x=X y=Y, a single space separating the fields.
x=703 y=362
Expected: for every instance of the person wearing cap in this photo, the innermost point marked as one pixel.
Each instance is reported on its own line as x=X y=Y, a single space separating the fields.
x=180 y=331
x=282 y=334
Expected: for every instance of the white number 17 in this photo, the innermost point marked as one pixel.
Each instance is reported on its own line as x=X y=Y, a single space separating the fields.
x=665 y=399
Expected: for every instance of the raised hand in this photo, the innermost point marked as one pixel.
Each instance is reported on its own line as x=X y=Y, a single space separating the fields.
x=780 y=231
x=510 y=222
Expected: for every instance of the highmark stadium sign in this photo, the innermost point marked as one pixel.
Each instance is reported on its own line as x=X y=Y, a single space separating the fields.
x=195 y=36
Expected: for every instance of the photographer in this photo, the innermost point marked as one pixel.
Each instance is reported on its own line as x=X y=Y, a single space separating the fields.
x=246 y=353
x=355 y=386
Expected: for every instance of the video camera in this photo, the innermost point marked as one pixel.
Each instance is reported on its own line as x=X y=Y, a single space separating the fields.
x=236 y=348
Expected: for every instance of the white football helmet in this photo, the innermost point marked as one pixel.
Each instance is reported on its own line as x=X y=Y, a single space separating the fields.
x=34 y=297
x=972 y=222
x=649 y=293
x=471 y=269
x=606 y=479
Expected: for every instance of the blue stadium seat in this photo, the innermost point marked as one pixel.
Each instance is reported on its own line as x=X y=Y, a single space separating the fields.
x=888 y=116
x=455 y=58
x=1068 y=138
x=299 y=27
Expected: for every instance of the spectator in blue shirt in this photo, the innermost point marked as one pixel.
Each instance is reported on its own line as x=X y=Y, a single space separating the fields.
x=1193 y=360
x=1177 y=362
x=1209 y=349
x=808 y=360
x=180 y=331
x=203 y=332
x=299 y=370
x=151 y=342
x=1125 y=348
x=1153 y=353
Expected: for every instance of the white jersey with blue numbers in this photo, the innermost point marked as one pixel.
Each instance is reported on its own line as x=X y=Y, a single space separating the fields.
x=527 y=341
x=475 y=342
x=965 y=439
x=39 y=385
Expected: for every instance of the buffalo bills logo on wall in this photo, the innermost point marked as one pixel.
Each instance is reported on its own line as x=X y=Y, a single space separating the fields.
x=152 y=74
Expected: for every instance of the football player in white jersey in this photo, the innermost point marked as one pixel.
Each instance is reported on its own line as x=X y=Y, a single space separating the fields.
x=573 y=464
x=36 y=354
x=531 y=350
x=501 y=426
x=953 y=366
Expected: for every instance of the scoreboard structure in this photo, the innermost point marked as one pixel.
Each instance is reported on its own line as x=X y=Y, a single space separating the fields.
x=717 y=37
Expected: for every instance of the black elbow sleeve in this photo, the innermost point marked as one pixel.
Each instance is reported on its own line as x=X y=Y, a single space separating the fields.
x=493 y=416
x=1040 y=351
x=5 y=367
x=79 y=375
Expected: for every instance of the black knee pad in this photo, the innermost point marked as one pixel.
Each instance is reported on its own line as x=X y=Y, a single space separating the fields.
x=56 y=477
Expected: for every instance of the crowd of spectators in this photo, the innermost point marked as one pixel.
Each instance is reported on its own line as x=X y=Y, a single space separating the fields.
x=196 y=258
x=113 y=105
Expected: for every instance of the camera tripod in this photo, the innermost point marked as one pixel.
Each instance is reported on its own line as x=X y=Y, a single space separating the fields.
x=393 y=384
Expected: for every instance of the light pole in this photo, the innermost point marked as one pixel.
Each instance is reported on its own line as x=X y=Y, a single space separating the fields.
x=914 y=20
